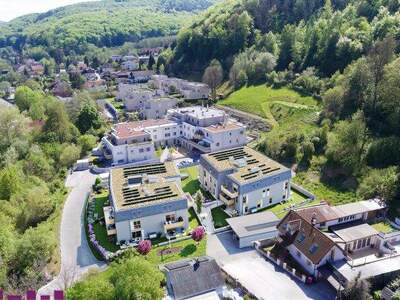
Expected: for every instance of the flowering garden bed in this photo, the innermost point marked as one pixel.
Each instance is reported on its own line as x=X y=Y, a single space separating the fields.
x=169 y=251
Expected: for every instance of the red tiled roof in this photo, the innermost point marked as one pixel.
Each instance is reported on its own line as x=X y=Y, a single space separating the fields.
x=305 y=236
x=131 y=129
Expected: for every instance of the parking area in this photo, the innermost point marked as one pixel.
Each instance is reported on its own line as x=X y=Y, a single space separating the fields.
x=261 y=277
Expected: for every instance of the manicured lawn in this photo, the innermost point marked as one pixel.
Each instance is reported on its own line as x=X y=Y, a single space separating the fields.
x=297 y=198
x=191 y=184
x=187 y=248
x=384 y=227
x=219 y=217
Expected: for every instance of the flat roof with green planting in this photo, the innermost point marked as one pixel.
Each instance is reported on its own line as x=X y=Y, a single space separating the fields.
x=249 y=164
x=138 y=186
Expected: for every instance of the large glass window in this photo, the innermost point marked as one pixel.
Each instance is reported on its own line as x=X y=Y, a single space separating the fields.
x=136 y=234
x=170 y=218
x=136 y=225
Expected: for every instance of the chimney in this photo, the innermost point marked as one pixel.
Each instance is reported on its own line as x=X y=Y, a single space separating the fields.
x=314 y=219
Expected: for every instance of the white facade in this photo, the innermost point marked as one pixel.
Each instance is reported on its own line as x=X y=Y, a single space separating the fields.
x=149 y=103
x=136 y=141
x=208 y=129
x=129 y=153
x=157 y=108
x=130 y=65
x=194 y=90
x=154 y=224
x=189 y=90
x=334 y=254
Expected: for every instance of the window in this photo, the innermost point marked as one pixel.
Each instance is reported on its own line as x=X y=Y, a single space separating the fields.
x=301 y=237
x=170 y=218
x=314 y=247
x=246 y=209
x=359 y=243
x=308 y=262
x=298 y=253
x=141 y=150
x=167 y=134
x=136 y=225
x=270 y=200
x=136 y=234
x=217 y=144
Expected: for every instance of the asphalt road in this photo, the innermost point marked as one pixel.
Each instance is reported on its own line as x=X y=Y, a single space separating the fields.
x=76 y=256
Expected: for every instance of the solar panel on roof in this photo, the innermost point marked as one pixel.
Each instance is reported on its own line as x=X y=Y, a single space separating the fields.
x=149 y=199
x=270 y=171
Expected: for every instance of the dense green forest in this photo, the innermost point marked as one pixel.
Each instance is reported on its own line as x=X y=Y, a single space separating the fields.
x=327 y=35
x=343 y=53
x=40 y=139
x=107 y=23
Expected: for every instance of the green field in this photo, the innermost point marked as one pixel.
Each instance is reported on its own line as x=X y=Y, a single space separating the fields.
x=274 y=105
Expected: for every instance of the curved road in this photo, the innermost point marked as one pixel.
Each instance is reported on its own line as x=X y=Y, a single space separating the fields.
x=76 y=256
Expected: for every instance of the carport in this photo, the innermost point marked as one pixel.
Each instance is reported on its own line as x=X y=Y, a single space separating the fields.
x=250 y=228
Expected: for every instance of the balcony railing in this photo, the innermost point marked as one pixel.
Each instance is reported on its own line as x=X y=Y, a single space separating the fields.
x=173 y=225
x=226 y=200
x=198 y=146
x=227 y=192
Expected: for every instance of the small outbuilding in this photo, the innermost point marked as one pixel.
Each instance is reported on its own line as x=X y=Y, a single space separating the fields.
x=250 y=228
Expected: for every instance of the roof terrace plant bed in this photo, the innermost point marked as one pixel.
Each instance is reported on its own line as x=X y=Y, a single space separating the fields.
x=383 y=227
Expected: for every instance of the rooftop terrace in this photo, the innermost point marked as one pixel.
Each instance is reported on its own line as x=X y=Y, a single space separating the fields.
x=199 y=112
x=250 y=165
x=139 y=186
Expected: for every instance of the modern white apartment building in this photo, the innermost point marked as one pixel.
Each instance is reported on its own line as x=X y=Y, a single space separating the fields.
x=197 y=129
x=149 y=103
x=136 y=141
x=147 y=201
x=189 y=90
x=244 y=179
x=207 y=129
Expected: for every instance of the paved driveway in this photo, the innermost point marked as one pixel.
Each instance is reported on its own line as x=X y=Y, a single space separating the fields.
x=76 y=256
x=261 y=277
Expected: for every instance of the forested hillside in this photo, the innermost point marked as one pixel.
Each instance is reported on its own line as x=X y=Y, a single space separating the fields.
x=343 y=53
x=103 y=23
x=327 y=35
